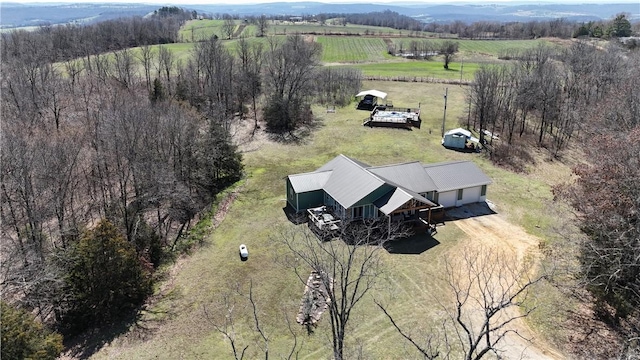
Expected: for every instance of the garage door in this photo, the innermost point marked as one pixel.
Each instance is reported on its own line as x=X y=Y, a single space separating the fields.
x=447 y=199
x=470 y=195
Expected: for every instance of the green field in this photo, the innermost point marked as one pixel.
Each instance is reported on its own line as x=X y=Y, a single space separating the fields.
x=421 y=69
x=177 y=325
x=315 y=28
x=352 y=49
x=485 y=47
x=198 y=30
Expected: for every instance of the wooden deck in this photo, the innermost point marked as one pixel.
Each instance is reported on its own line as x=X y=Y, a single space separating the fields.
x=389 y=116
x=323 y=219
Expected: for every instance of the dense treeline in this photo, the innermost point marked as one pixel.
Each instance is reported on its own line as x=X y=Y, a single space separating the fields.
x=560 y=28
x=618 y=27
x=385 y=18
x=65 y=42
x=548 y=93
x=477 y=30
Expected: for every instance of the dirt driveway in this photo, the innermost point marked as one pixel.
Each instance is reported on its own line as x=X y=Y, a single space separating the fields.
x=493 y=230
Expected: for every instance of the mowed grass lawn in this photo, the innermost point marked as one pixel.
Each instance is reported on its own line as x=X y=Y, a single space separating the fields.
x=421 y=68
x=180 y=323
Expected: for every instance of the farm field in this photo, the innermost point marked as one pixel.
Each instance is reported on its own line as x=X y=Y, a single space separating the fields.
x=179 y=322
x=421 y=69
x=352 y=49
x=195 y=30
x=486 y=47
x=315 y=28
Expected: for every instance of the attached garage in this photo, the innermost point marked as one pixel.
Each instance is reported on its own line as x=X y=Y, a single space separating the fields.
x=447 y=199
x=458 y=183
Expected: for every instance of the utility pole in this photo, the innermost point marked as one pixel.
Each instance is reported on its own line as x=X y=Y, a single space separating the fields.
x=444 y=117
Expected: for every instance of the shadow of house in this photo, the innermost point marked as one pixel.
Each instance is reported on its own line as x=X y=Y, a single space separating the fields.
x=469 y=211
x=412 y=245
x=294 y=217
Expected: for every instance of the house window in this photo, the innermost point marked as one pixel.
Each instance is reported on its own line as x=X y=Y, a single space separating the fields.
x=483 y=190
x=357 y=212
x=460 y=194
x=436 y=197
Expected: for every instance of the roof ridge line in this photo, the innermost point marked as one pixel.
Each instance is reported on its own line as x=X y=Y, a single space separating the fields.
x=365 y=169
x=402 y=163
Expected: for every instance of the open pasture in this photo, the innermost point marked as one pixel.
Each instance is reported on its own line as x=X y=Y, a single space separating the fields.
x=420 y=69
x=198 y=30
x=484 y=47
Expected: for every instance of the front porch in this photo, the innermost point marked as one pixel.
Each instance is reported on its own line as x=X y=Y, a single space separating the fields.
x=420 y=217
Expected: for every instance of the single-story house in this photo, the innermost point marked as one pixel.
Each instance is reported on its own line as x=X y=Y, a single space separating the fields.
x=459 y=139
x=351 y=189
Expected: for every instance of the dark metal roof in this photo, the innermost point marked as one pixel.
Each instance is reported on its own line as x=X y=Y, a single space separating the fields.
x=349 y=182
x=449 y=176
x=309 y=181
x=411 y=176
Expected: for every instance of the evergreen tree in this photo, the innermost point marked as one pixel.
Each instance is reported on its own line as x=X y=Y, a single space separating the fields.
x=620 y=27
x=25 y=338
x=158 y=93
x=105 y=278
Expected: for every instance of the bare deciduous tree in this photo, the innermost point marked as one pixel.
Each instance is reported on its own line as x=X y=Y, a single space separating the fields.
x=228 y=26
x=348 y=268
x=146 y=57
x=263 y=25
x=489 y=290
x=448 y=49
x=289 y=73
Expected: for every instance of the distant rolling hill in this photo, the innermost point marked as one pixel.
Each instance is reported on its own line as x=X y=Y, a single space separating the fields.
x=443 y=13
x=24 y=14
x=21 y=14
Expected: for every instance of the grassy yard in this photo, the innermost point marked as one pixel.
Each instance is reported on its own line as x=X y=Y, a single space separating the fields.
x=177 y=324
